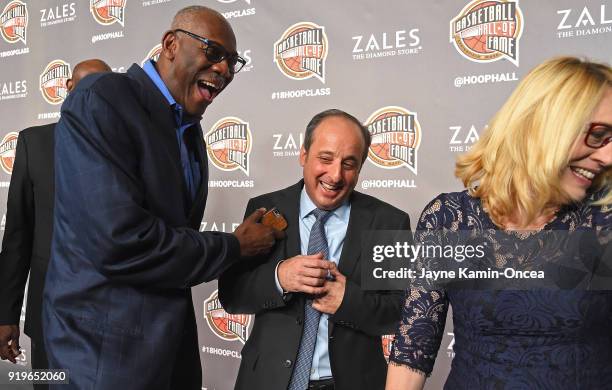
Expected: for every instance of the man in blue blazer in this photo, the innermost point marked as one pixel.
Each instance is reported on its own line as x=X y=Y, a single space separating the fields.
x=131 y=187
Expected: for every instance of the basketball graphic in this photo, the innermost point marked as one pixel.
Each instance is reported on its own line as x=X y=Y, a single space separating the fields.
x=53 y=81
x=153 y=54
x=107 y=12
x=487 y=31
x=396 y=136
x=14 y=22
x=228 y=144
x=387 y=343
x=226 y=326
x=301 y=51
x=7 y=152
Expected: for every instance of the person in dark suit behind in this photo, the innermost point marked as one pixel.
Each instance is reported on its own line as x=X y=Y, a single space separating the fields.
x=334 y=340
x=131 y=187
x=27 y=236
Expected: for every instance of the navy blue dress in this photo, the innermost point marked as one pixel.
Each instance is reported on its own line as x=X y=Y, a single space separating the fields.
x=540 y=339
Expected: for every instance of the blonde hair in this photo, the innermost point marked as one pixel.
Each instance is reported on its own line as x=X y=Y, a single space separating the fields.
x=516 y=166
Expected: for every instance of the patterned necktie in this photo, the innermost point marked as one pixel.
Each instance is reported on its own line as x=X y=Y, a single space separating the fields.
x=317 y=243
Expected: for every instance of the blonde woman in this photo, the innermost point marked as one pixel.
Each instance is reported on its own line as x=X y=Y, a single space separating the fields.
x=545 y=162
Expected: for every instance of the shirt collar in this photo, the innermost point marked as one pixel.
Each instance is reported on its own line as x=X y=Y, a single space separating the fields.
x=307 y=206
x=149 y=68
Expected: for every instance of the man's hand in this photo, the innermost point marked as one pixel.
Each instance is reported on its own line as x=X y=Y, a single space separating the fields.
x=304 y=274
x=9 y=342
x=254 y=237
x=332 y=293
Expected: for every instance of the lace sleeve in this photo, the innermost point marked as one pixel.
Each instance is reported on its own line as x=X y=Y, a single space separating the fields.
x=421 y=327
x=420 y=330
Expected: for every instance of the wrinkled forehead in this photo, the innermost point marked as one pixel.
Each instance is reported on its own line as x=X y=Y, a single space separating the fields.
x=213 y=27
x=338 y=132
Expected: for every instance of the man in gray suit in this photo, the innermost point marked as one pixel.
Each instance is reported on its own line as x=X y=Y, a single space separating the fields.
x=314 y=326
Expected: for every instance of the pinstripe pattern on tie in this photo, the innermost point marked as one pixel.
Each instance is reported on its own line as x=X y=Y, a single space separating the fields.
x=317 y=243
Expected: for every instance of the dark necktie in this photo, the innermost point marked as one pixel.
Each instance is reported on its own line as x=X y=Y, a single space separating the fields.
x=317 y=243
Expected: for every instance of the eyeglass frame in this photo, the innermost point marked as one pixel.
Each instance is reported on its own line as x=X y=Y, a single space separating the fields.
x=211 y=43
x=592 y=126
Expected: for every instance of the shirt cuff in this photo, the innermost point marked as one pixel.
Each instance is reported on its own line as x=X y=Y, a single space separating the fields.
x=278 y=286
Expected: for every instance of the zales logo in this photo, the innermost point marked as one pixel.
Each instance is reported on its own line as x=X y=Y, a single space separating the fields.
x=246 y=54
x=226 y=326
x=450 y=349
x=301 y=51
x=219 y=227
x=384 y=46
x=287 y=145
x=7 y=152
x=487 y=31
x=14 y=22
x=396 y=136
x=573 y=23
x=53 y=81
x=107 y=12
x=58 y=14
x=13 y=89
x=462 y=140
x=229 y=144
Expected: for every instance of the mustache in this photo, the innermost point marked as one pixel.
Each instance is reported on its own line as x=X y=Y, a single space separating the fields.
x=219 y=81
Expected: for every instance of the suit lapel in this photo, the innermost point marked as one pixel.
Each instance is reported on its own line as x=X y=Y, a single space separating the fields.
x=359 y=221
x=199 y=203
x=290 y=208
x=162 y=117
x=160 y=112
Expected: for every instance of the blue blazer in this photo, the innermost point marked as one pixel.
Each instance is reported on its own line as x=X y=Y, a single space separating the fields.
x=126 y=247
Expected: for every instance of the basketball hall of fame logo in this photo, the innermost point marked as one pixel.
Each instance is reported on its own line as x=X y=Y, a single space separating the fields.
x=387 y=343
x=487 y=31
x=301 y=51
x=107 y=12
x=53 y=81
x=153 y=54
x=226 y=326
x=396 y=135
x=7 y=152
x=229 y=144
x=14 y=22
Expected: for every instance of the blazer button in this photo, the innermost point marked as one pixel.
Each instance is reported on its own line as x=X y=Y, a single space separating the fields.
x=287 y=363
x=299 y=321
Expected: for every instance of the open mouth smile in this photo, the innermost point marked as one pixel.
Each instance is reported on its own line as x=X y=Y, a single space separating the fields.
x=583 y=173
x=209 y=89
x=331 y=187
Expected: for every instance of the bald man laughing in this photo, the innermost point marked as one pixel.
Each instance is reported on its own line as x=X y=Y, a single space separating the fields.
x=131 y=189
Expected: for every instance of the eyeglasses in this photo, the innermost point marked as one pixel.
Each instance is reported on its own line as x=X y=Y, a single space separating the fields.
x=217 y=53
x=598 y=135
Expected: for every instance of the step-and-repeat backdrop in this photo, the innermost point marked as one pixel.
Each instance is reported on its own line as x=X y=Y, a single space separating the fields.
x=425 y=77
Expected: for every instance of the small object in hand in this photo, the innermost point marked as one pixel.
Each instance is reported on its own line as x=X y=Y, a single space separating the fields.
x=274 y=219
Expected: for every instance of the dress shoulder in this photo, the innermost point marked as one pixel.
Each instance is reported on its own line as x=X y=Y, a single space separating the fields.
x=454 y=211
